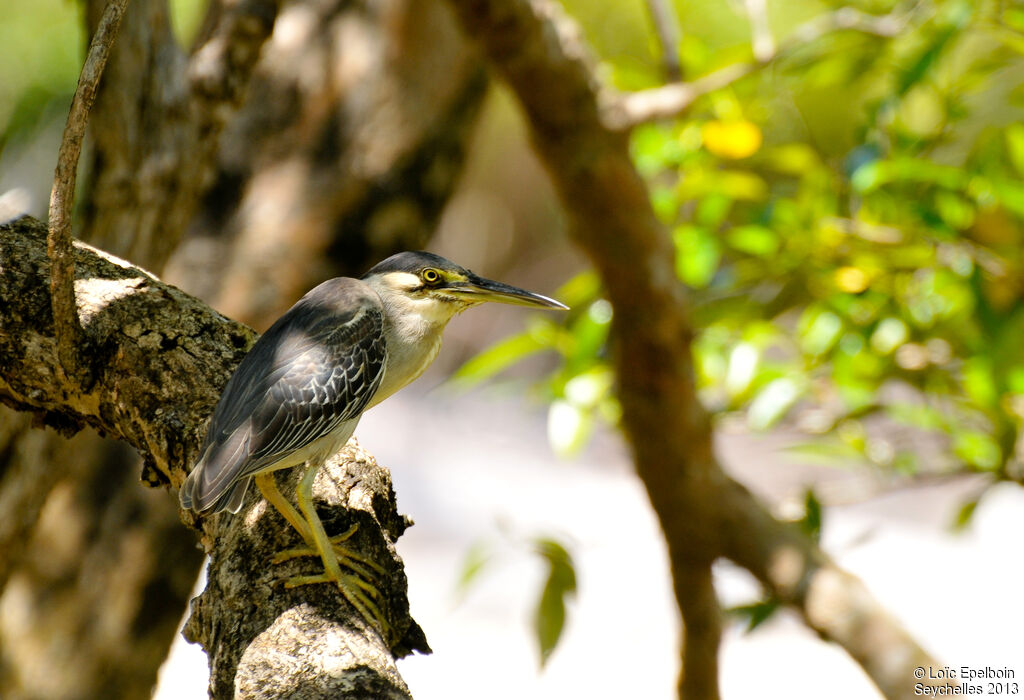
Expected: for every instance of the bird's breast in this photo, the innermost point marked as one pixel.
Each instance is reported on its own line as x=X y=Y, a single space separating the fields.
x=408 y=357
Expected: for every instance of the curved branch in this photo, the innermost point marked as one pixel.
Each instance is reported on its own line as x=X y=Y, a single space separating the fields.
x=703 y=513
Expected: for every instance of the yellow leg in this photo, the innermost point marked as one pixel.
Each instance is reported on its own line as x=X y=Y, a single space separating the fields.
x=268 y=487
x=330 y=550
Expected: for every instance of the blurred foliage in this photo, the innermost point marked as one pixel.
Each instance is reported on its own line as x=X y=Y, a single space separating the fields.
x=850 y=220
x=44 y=44
x=43 y=47
x=559 y=585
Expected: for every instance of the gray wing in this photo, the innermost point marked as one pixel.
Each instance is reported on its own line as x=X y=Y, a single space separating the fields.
x=313 y=370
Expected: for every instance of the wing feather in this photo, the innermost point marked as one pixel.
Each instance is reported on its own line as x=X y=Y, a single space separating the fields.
x=312 y=371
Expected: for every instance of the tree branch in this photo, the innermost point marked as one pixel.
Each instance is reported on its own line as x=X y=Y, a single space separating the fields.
x=703 y=513
x=159 y=360
x=156 y=134
x=58 y=245
x=667 y=30
x=672 y=100
x=702 y=635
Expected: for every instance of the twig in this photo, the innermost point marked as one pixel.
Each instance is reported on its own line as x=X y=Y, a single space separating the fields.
x=671 y=100
x=674 y=99
x=667 y=29
x=67 y=328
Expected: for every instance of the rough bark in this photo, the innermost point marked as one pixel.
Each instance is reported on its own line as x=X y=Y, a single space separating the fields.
x=703 y=513
x=158 y=359
x=103 y=617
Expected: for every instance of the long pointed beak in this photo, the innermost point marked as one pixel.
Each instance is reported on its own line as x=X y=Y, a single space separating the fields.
x=478 y=289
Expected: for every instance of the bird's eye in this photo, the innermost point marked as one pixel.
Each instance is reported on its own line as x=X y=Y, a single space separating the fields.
x=431 y=276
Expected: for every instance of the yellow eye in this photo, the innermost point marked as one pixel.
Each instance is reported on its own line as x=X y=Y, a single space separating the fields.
x=431 y=276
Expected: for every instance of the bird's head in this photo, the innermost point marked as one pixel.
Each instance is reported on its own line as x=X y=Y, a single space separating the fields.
x=436 y=289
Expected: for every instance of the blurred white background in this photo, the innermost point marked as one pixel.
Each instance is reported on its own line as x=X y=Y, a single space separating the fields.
x=494 y=479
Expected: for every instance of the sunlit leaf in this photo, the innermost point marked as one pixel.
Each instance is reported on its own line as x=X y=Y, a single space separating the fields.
x=977 y=449
x=889 y=335
x=742 y=368
x=504 y=354
x=697 y=254
x=477 y=559
x=821 y=331
x=852 y=280
x=590 y=387
x=569 y=427
x=772 y=402
x=754 y=240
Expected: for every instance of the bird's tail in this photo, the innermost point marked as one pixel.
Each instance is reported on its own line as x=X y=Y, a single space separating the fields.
x=197 y=495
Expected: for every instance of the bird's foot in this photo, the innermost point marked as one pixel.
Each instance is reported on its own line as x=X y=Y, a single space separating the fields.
x=355 y=590
x=358 y=587
x=346 y=557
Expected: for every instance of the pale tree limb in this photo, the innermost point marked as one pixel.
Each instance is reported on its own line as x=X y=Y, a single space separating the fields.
x=703 y=513
x=762 y=43
x=62 y=197
x=159 y=361
x=672 y=100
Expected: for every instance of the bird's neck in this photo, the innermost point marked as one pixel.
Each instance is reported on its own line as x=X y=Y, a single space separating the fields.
x=413 y=341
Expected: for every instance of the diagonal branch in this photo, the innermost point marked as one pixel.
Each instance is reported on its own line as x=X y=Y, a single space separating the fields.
x=703 y=513
x=672 y=100
x=62 y=197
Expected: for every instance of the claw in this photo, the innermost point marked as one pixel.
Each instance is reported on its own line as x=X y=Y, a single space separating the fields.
x=358 y=587
x=350 y=588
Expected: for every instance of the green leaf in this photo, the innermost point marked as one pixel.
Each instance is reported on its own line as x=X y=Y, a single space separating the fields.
x=754 y=240
x=820 y=330
x=772 y=402
x=502 y=355
x=877 y=173
x=569 y=427
x=698 y=253
x=977 y=449
x=811 y=523
x=979 y=381
x=754 y=613
x=964 y=514
x=478 y=557
x=889 y=335
x=549 y=618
